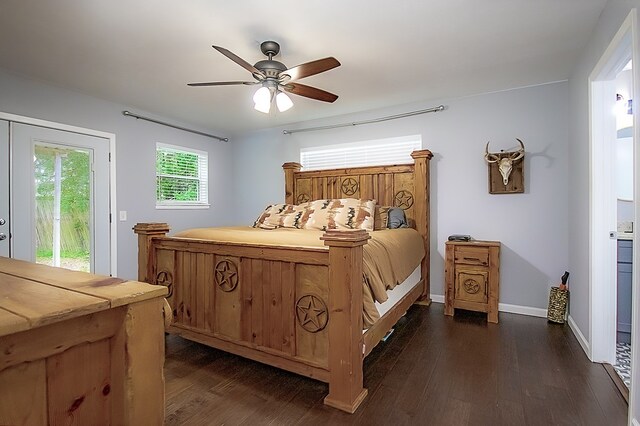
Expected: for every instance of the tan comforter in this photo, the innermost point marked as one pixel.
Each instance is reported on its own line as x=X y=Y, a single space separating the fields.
x=390 y=256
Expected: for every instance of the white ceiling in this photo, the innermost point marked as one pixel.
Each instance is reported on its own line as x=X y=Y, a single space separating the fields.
x=143 y=52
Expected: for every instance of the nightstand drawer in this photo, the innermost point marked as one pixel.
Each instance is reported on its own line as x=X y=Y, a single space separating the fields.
x=472 y=255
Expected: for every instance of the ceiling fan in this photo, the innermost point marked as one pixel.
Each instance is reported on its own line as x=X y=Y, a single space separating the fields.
x=275 y=78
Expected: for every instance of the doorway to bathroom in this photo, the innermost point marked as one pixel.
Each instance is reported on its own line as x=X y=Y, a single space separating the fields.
x=613 y=131
x=623 y=166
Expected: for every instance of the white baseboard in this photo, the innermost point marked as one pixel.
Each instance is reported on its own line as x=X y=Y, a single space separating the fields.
x=438 y=298
x=522 y=310
x=584 y=343
x=505 y=307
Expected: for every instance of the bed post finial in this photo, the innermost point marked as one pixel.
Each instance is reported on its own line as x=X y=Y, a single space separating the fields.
x=146 y=231
x=421 y=212
x=289 y=181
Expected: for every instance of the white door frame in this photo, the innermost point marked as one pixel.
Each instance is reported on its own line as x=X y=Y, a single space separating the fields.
x=603 y=209
x=4 y=189
x=111 y=137
x=602 y=205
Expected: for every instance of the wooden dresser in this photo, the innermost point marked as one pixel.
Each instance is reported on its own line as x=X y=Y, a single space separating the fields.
x=77 y=348
x=472 y=277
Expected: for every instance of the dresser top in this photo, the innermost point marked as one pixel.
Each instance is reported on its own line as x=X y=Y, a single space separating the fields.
x=33 y=295
x=474 y=243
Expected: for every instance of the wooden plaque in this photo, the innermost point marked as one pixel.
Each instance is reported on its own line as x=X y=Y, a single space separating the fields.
x=515 y=185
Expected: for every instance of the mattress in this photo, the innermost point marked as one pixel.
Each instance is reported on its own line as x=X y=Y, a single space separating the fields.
x=399 y=291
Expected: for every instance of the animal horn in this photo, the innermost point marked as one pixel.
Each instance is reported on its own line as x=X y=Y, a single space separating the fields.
x=491 y=158
x=519 y=153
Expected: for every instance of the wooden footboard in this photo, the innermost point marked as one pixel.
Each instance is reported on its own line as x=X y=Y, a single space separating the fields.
x=299 y=309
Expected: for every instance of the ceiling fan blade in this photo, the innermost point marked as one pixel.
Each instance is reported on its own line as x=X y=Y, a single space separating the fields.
x=311 y=68
x=238 y=60
x=223 y=83
x=309 y=92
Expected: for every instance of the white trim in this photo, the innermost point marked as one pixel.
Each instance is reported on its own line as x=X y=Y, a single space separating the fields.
x=634 y=402
x=579 y=336
x=438 y=298
x=602 y=201
x=53 y=125
x=602 y=310
x=111 y=137
x=179 y=148
x=181 y=206
x=506 y=307
x=522 y=310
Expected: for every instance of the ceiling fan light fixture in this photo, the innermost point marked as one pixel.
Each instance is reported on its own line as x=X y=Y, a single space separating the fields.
x=262 y=99
x=262 y=95
x=262 y=107
x=283 y=101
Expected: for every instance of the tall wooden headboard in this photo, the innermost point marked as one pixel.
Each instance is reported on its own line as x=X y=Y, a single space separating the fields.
x=405 y=186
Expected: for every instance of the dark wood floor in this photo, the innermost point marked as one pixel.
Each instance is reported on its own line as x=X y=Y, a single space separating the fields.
x=434 y=370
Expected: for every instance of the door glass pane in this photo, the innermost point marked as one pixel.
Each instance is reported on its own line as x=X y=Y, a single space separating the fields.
x=63 y=206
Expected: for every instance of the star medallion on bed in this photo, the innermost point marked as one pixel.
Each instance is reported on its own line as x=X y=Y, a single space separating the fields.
x=226 y=275
x=312 y=313
x=404 y=199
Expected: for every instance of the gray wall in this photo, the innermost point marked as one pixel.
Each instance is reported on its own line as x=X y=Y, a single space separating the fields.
x=135 y=157
x=610 y=20
x=532 y=226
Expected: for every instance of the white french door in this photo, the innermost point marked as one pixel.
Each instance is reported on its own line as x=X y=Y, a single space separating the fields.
x=59 y=195
x=4 y=188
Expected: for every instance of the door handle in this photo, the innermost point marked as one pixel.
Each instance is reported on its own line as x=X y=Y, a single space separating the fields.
x=2 y=221
x=3 y=237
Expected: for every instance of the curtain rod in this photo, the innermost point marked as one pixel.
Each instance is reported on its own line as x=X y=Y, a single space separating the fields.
x=374 y=120
x=140 y=117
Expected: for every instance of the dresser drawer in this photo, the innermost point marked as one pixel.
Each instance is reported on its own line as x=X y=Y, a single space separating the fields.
x=470 y=255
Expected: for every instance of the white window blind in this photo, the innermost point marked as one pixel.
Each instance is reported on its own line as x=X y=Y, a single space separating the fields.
x=181 y=177
x=366 y=153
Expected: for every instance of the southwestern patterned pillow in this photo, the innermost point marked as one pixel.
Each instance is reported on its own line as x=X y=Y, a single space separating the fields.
x=345 y=213
x=273 y=216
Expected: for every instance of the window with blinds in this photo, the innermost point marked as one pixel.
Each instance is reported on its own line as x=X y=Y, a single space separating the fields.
x=366 y=153
x=181 y=177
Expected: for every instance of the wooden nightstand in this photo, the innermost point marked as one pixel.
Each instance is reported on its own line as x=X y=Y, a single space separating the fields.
x=472 y=277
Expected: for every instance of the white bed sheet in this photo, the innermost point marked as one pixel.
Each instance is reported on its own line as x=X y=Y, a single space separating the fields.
x=399 y=291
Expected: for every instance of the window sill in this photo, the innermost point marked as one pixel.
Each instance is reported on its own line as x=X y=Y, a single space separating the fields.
x=182 y=206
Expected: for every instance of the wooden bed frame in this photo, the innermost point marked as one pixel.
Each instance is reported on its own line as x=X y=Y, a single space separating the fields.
x=299 y=309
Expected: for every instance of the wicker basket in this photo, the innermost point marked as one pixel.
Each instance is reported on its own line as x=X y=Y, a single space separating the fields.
x=558 y=300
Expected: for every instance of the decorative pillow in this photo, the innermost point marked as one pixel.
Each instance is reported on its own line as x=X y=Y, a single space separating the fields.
x=296 y=218
x=397 y=218
x=381 y=218
x=316 y=214
x=273 y=216
x=344 y=213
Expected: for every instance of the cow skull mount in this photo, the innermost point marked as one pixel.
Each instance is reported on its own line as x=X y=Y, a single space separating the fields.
x=505 y=162
x=506 y=170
